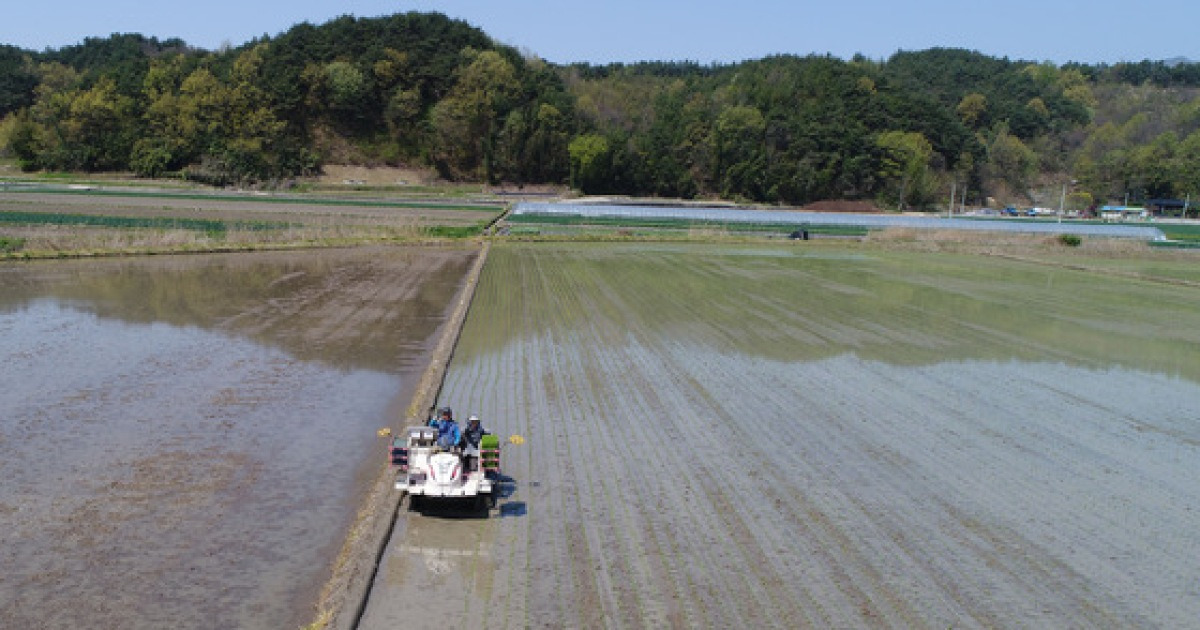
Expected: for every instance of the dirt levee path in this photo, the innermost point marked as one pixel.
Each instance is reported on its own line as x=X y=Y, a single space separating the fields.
x=344 y=597
x=771 y=437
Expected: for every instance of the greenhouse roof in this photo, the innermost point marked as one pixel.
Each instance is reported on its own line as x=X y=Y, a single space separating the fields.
x=807 y=219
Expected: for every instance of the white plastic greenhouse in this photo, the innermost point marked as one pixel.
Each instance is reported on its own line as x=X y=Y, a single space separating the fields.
x=801 y=219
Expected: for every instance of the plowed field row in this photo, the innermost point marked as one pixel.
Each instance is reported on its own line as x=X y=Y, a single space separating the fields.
x=773 y=437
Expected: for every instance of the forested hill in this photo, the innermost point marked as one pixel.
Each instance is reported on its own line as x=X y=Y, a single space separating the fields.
x=426 y=90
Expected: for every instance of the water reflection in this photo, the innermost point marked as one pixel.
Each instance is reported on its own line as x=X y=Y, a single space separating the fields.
x=790 y=305
x=355 y=309
x=183 y=440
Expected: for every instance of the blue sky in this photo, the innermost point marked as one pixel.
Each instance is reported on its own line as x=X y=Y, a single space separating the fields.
x=700 y=30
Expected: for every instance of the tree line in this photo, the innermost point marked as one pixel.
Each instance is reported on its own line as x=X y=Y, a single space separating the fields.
x=423 y=89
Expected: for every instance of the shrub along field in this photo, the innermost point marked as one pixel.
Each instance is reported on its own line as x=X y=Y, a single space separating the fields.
x=825 y=435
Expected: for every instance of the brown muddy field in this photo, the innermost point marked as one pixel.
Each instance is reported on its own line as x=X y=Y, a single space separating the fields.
x=184 y=440
x=743 y=436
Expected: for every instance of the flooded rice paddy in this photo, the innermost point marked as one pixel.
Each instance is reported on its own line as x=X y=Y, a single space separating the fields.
x=817 y=437
x=183 y=440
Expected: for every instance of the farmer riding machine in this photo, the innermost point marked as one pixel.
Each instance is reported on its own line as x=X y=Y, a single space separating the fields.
x=427 y=471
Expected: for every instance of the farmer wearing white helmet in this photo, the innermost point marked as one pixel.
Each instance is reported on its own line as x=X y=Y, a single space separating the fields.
x=471 y=437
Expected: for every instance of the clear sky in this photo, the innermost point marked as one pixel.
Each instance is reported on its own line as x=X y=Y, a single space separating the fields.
x=698 y=30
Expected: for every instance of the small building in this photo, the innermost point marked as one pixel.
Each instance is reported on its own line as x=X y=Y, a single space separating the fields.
x=1168 y=207
x=1123 y=213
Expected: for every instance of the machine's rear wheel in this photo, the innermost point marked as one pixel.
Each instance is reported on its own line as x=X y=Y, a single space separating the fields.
x=414 y=502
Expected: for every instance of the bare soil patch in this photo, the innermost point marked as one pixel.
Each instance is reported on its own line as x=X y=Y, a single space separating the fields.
x=376 y=176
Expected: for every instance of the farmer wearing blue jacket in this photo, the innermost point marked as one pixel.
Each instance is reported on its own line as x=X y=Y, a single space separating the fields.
x=448 y=433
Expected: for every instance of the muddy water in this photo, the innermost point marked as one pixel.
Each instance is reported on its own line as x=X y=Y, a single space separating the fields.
x=182 y=439
x=818 y=437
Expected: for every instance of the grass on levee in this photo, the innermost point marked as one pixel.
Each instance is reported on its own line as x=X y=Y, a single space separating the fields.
x=140 y=236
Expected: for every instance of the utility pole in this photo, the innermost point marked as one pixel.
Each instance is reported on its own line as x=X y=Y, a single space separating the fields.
x=1062 y=202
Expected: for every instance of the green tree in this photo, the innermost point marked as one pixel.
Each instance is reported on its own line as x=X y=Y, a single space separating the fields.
x=24 y=139
x=171 y=139
x=904 y=161
x=99 y=127
x=1011 y=162
x=1076 y=88
x=221 y=132
x=1038 y=107
x=533 y=149
x=971 y=109
x=347 y=85
x=467 y=120
x=741 y=152
x=591 y=159
x=18 y=79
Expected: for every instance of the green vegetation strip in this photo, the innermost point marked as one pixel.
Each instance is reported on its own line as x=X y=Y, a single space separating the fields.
x=10 y=244
x=118 y=222
x=1179 y=232
x=428 y=205
x=454 y=231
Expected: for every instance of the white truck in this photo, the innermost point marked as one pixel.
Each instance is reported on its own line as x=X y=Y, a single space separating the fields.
x=426 y=471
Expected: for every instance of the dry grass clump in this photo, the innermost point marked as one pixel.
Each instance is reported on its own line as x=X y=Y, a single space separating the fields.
x=702 y=233
x=999 y=243
x=1120 y=247
x=41 y=241
x=954 y=240
x=61 y=239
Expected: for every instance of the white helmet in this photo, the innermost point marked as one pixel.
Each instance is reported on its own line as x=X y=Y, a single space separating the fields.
x=473 y=418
